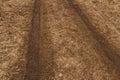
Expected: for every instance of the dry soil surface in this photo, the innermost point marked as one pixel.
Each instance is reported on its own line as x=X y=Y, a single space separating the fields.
x=59 y=40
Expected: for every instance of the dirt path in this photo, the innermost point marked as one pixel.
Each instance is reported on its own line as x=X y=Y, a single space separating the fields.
x=57 y=27
x=68 y=40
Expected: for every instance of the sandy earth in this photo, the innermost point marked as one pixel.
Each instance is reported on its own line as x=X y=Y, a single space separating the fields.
x=59 y=40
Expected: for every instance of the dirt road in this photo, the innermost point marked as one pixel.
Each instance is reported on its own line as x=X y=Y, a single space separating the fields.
x=68 y=40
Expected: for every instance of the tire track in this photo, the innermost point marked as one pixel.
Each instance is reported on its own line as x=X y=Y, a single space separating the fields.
x=40 y=61
x=32 y=57
x=104 y=45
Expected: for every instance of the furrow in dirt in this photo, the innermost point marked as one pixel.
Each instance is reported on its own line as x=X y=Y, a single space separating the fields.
x=32 y=56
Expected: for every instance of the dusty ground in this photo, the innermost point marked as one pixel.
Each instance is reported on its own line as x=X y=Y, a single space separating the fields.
x=60 y=40
x=15 y=23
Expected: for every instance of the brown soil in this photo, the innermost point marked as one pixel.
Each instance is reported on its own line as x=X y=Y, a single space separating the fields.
x=59 y=40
